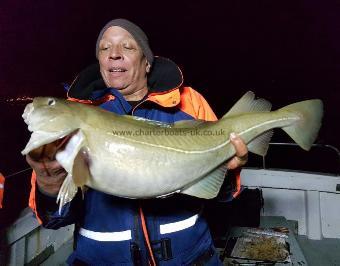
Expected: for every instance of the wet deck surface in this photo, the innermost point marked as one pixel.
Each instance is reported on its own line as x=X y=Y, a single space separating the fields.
x=323 y=252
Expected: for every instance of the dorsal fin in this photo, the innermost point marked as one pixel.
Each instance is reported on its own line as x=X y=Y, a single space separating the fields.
x=248 y=104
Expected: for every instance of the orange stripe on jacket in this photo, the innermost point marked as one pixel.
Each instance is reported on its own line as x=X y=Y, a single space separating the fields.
x=2 y=189
x=237 y=175
x=32 y=203
x=105 y=98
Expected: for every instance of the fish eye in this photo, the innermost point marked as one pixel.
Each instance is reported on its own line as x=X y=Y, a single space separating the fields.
x=51 y=102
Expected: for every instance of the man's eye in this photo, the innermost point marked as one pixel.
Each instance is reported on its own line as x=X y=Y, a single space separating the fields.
x=128 y=46
x=104 y=48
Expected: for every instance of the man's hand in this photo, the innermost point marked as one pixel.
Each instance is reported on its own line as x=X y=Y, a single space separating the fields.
x=50 y=175
x=241 y=149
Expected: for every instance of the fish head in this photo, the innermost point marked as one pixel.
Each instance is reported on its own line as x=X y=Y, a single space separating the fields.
x=48 y=114
x=50 y=120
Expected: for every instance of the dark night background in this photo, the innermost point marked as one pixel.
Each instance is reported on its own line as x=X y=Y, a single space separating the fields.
x=285 y=51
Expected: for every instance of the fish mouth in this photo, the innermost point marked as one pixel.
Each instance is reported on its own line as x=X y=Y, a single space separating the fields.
x=27 y=112
x=53 y=142
x=49 y=150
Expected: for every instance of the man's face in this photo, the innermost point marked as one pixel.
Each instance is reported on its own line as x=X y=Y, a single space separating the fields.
x=122 y=63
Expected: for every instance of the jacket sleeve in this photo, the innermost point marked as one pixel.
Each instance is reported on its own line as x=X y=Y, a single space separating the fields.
x=194 y=104
x=47 y=210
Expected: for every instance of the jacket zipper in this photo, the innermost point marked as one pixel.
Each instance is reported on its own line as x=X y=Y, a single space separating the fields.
x=134 y=108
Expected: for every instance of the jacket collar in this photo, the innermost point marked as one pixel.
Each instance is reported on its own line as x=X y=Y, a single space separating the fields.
x=164 y=82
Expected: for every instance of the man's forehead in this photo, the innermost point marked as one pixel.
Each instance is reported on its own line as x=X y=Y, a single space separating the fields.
x=116 y=31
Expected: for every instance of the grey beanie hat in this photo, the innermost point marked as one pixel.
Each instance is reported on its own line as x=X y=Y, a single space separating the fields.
x=136 y=32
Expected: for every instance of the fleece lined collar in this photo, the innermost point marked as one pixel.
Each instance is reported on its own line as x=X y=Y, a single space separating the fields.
x=164 y=81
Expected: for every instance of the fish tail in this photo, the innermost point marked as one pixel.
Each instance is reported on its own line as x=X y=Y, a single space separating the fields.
x=305 y=130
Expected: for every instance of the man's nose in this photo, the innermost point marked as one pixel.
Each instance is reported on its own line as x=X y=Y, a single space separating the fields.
x=115 y=53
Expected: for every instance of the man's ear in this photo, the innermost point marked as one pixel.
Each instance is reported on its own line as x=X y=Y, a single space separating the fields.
x=148 y=67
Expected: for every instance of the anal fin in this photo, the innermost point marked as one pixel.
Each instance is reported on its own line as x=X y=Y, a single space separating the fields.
x=260 y=144
x=209 y=186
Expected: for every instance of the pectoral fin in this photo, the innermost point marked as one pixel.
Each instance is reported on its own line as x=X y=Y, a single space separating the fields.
x=67 y=192
x=73 y=160
x=81 y=171
x=209 y=186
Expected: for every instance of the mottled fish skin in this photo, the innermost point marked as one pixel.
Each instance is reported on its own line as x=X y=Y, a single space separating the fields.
x=138 y=158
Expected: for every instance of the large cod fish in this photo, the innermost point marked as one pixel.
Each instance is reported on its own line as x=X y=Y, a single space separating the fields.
x=137 y=158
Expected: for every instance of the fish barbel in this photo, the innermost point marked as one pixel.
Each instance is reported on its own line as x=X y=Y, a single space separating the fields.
x=138 y=158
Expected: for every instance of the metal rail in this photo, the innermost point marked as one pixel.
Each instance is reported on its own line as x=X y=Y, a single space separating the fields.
x=322 y=146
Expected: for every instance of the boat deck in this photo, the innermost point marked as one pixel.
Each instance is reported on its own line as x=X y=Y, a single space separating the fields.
x=323 y=252
x=303 y=251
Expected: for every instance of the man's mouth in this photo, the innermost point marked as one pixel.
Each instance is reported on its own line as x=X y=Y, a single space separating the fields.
x=116 y=69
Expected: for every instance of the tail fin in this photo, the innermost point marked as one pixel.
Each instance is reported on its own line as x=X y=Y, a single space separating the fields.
x=305 y=130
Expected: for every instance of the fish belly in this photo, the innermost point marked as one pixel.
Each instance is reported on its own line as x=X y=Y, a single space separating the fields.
x=138 y=171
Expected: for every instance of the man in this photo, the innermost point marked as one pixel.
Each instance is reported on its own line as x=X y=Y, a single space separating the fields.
x=112 y=230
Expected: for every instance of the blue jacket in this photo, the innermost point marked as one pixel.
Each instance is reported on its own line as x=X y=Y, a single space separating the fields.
x=109 y=229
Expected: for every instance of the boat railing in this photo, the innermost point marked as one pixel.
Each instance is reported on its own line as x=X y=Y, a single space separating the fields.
x=319 y=149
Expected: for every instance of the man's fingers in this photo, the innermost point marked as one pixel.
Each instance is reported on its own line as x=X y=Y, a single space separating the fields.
x=50 y=174
x=239 y=145
x=241 y=150
x=60 y=171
